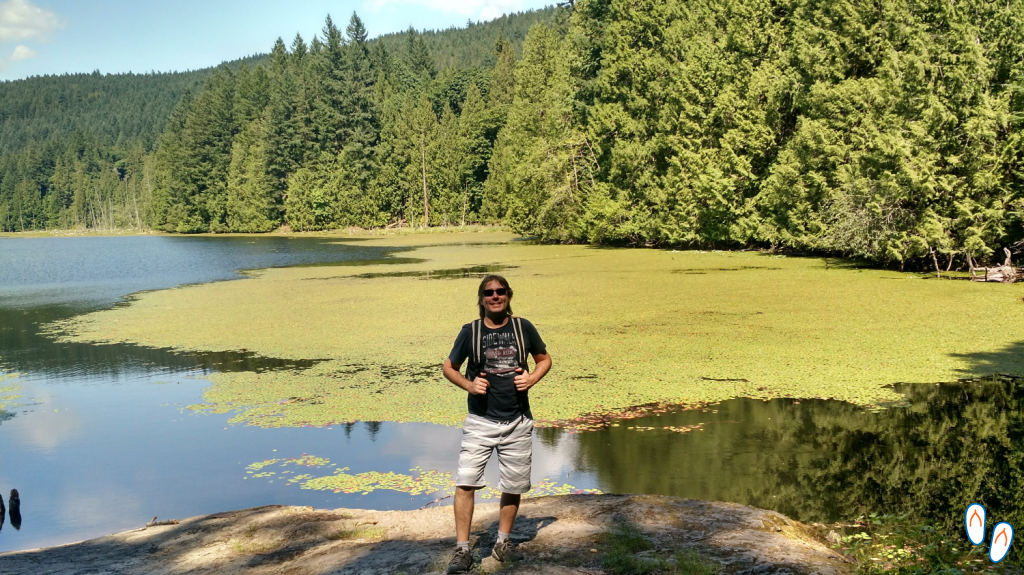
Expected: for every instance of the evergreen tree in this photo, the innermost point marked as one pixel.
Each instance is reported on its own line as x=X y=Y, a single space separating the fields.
x=250 y=190
x=542 y=168
x=283 y=150
x=361 y=128
x=421 y=62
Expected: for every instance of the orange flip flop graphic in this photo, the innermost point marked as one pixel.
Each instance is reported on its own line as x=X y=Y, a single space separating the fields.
x=1002 y=537
x=974 y=521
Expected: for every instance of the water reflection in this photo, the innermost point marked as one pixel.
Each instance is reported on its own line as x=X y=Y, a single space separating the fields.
x=24 y=349
x=446 y=274
x=14 y=502
x=816 y=460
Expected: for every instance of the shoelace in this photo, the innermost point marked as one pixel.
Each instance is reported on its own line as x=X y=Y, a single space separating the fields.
x=459 y=553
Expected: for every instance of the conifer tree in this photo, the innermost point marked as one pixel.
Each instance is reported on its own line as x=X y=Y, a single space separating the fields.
x=423 y=131
x=361 y=126
x=250 y=191
x=209 y=129
x=421 y=61
x=283 y=150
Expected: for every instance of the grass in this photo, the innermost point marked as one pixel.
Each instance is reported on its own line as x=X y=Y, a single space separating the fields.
x=623 y=544
x=897 y=545
x=357 y=533
x=246 y=545
x=624 y=327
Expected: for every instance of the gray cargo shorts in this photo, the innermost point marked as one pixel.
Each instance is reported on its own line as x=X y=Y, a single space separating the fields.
x=514 y=442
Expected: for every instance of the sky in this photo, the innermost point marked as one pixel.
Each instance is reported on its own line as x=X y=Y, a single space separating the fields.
x=39 y=37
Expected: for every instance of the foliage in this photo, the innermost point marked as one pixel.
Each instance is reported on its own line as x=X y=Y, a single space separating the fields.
x=887 y=131
x=899 y=545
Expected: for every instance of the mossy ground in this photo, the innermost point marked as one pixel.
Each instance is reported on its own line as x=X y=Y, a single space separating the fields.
x=625 y=327
x=897 y=544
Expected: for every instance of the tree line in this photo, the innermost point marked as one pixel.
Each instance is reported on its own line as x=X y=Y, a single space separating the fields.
x=83 y=150
x=884 y=129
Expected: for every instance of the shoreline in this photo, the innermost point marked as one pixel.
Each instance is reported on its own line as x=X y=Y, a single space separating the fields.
x=348 y=232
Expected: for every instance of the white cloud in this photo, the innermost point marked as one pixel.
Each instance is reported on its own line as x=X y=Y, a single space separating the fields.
x=20 y=20
x=22 y=53
x=476 y=9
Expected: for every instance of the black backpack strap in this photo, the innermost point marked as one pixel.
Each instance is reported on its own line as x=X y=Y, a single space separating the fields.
x=517 y=332
x=476 y=355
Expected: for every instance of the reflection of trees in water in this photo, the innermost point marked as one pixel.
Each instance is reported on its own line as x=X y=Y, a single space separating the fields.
x=955 y=445
x=14 y=502
x=5 y=415
x=23 y=348
x=824 y=460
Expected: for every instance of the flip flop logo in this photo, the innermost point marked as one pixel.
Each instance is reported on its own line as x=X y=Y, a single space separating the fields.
x=1002 y=537
x=974 y=520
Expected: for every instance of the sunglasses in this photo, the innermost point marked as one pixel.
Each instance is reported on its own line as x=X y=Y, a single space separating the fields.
x=499 y=291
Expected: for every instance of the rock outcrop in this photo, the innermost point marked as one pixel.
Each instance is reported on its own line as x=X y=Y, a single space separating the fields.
x=558 y=535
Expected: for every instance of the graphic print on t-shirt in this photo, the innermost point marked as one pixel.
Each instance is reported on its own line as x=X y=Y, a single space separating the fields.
x=500 y=353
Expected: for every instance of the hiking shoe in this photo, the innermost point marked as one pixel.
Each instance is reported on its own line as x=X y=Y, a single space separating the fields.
x=462 y=562
x=506 y=551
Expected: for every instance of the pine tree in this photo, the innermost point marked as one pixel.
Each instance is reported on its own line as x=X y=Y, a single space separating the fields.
x=542 y=170
x=423 y=129
x=283 y=151
x=503 y=78
x=361 y=127
x=421 y=61
x=250 y=190
x=209 y=130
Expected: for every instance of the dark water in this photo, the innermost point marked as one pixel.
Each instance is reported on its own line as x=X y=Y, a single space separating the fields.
x=816 y=460
x=102 y=440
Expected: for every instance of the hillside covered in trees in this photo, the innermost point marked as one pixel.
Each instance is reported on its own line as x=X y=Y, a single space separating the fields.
x=888 y=130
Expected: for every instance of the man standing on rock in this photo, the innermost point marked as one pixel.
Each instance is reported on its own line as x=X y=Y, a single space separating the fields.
x=498 y=381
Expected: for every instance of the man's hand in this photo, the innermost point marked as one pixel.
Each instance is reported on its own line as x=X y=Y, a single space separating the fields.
x=479 y=385
x=524 y=380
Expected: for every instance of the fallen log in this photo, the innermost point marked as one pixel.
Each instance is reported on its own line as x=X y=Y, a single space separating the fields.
x=1005 y=273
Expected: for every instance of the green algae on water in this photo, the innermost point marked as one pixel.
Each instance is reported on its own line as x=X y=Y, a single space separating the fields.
x=418 y=482
x=625 y=327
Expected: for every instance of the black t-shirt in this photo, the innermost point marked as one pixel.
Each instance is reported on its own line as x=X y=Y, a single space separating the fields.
x=500 y=351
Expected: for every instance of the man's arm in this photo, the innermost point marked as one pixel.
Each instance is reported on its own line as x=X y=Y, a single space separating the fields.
x=526 y=380
x=477 y=387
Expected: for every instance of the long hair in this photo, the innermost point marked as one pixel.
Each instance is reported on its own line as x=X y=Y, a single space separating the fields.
x=480 y=293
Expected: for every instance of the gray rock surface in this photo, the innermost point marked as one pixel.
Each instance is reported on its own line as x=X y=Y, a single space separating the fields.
x=557 y=535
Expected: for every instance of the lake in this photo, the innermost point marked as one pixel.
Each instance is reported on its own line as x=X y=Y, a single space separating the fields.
x=100 y=439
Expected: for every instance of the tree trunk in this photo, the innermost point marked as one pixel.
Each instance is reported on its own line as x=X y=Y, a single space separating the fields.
x=426 y=200
x=465 y=202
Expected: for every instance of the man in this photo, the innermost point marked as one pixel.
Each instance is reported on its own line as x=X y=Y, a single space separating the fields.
x=498 y=381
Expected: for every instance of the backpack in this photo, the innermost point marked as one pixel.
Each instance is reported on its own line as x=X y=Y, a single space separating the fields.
x=477 y=355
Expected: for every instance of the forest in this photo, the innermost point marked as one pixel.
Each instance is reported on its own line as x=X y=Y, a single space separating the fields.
x=880 y=129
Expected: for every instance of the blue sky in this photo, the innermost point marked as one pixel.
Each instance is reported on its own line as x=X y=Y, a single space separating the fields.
x=56 y=36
